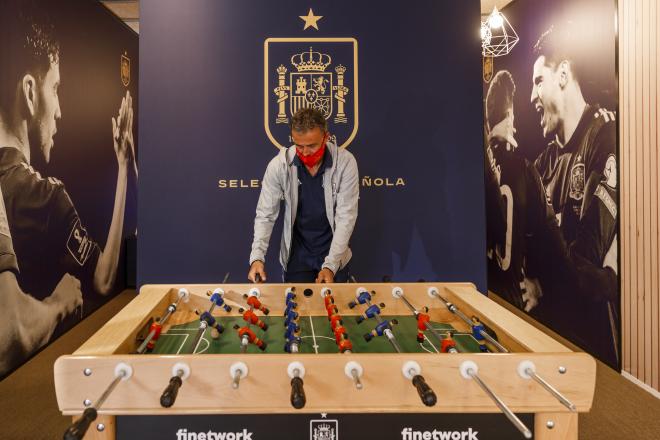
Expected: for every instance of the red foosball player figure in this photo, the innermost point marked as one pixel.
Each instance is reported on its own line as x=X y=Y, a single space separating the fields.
x=335 y=320
x=422 y=323
x=254 y=302
x=332 y=310
x=247 y=336
x=448 y=345
x=340 y=332
x=156 y=328
x=345 y=345
x=328 y=299
x=251 y=318
x=341 y=338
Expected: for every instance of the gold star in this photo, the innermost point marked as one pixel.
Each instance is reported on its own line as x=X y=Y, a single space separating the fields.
x=311 y=20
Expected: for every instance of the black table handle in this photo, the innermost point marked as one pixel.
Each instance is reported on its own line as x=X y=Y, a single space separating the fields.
x=78 y=429
x=424 y=390
x=298 y=398
x=169 y=395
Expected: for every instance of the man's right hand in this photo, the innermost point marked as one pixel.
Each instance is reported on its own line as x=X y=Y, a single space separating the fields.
x=257 y=268
x=67 y=295
x=122 y=131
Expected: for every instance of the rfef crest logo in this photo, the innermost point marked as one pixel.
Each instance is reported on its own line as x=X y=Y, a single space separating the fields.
x=320 y=73
x=323 y=429
x=488 y=68
x=125 y=70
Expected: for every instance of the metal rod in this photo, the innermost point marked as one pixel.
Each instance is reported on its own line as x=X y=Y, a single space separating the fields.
x=552 y=390
x=146 y=341
x=356 y=379
x=434 y=332
x=501 y=405
x=410 y=306
x=237 y=379
x=490 y=339
x=416 y=312
x=202 y=328
x=392 y=339
x=108 y=390
x=452 y=308
x=170 y=309
x=388 y=332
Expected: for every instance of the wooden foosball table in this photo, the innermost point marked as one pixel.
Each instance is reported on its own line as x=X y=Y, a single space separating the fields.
x=308 y=348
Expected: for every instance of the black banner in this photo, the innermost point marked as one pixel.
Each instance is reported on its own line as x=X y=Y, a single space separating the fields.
x=322 y=427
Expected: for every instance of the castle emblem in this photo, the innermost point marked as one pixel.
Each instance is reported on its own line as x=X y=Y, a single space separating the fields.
x=323 y=429
x=323 y=75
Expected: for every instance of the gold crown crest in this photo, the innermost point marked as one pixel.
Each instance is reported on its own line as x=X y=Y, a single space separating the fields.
x=324 y=427
x=311 y=61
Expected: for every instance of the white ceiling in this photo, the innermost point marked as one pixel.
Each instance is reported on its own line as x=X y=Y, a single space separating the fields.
x=129 y=10
x=487 y=5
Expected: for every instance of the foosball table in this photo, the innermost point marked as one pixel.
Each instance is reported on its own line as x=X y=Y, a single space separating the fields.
x=311 y=348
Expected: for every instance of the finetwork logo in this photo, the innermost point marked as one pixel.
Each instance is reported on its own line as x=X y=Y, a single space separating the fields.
x=409 y=434
x=183 y=434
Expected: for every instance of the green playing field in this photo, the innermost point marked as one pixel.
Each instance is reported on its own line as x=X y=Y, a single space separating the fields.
x=316 y=334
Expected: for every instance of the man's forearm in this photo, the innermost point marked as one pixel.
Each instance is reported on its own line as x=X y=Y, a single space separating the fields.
x=26 y=324
x=106 y=267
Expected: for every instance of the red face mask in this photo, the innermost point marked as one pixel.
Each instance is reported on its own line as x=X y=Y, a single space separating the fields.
x=312 y=159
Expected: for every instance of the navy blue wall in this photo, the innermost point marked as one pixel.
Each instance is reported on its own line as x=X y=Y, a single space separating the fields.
x=202 y=120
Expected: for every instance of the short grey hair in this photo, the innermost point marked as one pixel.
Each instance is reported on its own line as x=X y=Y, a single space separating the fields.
x=307 y=119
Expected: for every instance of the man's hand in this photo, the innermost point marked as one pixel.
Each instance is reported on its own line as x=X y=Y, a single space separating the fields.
x=122 y=131
x=257 y=268
x=67 y=296
x=532 y=293
x=503 y=131
x=325 y=276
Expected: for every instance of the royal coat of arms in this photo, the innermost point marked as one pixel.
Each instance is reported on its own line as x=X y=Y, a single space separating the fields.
x=323 y=429
x=320 y=73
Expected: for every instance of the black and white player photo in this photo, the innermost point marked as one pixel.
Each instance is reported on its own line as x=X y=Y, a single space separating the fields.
x=52 y=258
x=552 y=211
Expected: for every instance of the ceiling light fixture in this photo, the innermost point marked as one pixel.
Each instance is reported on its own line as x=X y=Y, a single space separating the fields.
x=497 y=35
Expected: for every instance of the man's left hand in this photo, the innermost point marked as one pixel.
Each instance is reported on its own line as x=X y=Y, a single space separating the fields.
x=325 y=276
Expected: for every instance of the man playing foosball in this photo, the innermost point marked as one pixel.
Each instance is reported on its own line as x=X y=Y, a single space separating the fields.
x=319 y=185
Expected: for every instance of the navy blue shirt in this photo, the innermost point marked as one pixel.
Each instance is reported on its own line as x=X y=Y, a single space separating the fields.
x=312 y=234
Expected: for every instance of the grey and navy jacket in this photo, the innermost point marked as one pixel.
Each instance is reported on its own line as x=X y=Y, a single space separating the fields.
x=280 y=182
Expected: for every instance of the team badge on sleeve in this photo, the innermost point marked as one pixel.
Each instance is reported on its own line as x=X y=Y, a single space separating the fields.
x=79 y=244
x=610 y=171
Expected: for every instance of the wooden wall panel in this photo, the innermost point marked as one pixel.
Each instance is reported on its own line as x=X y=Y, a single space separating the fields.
x=639 y=164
